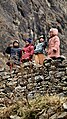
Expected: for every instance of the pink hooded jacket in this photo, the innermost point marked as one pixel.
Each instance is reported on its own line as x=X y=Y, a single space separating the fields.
x=54 y=44
x=28 y=52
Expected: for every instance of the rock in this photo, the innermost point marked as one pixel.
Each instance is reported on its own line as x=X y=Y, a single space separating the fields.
x=53 y=116
x=2 y=106
x=39 y=78
x=53 y=68
x=61 y=94
x=47 y=64
x=61 y=58
x=26 y=64
x=59 y=74
x=50 y=112
x=47 y=78
x=30 y=86
x=30 y=96
x=66 y=70
x=14 y=117
x=65 y=105
x=20 y=89
x=1 y=69
x=63 y=115
x=10 y=79
x=42 y=117
x=6 y=77
x=64 y=88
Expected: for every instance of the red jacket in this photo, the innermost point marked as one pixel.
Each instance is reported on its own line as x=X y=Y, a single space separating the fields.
x=28 y=52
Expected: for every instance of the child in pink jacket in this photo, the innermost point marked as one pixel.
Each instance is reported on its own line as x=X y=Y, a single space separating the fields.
x=28 y=51
x=53 y=44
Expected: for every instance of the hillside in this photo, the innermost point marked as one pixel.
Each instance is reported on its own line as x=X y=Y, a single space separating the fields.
x=29 y=18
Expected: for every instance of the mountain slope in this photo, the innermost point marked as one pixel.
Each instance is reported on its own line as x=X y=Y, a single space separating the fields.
x=23 y=18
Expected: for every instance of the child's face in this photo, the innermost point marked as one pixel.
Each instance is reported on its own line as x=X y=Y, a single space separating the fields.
x=51 y=33
x=27 y=43
x=41 y=40
x=11 y=45
x=16 y=44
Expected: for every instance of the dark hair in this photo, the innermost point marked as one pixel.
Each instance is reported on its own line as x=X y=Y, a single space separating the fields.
x=42 y=36
x=16 y=42
x=29 y=40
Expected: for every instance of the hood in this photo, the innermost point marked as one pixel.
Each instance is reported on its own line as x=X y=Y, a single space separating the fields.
x=54 y=31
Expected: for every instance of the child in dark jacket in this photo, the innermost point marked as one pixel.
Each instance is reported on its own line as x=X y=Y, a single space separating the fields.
x=8 y=49
x=16 y=52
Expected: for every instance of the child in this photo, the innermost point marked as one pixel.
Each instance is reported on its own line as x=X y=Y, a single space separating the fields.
x=8 y=49
x=39 y=51
x=53 y=44
x=16 y=52
x=28 y=51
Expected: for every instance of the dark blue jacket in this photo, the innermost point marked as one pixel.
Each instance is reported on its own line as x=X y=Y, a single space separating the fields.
x=16 y=54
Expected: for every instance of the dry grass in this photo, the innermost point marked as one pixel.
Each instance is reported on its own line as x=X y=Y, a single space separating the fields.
x=37 y=107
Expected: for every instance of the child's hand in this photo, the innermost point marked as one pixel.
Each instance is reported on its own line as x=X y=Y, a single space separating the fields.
x=54 y=50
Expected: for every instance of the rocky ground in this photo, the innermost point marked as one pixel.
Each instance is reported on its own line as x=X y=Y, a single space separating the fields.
x=36 y=83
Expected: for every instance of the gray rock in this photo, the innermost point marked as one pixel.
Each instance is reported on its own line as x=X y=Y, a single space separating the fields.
x=53 y=116
x=6 y=77
x=14 y=117
x=64 y=88
x=2 y=69
x=39 y=78
x=65 y=105
x=2 y=106
x=12 y=83
x=30 y=96
x=63 y=115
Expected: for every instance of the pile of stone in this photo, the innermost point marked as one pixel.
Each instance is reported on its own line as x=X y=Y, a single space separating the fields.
x=29 y=79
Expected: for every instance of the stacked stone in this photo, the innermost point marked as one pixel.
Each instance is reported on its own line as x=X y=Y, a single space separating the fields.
x=29 y=80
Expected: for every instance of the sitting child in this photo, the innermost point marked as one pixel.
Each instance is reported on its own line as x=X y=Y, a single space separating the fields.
x=16 y=52
x=15 y=55
x=28 y=51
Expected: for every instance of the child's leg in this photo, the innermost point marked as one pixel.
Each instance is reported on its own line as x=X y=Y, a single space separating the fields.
x=36 y=59
x=41 y=58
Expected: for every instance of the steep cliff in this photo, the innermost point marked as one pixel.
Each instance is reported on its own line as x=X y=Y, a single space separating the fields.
x=23 y=18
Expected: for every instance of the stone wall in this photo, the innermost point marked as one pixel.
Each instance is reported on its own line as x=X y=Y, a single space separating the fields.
x=30 y=80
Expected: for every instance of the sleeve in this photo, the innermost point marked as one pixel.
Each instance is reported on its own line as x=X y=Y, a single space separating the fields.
x=34 y=47
x=56 y=43
x=31 y=50
x=45 y=45
x=8 y=50
x=23 y=49
x=20 y=53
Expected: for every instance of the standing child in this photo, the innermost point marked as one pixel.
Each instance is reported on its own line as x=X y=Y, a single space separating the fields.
x=54 y=44
x=39 y=51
